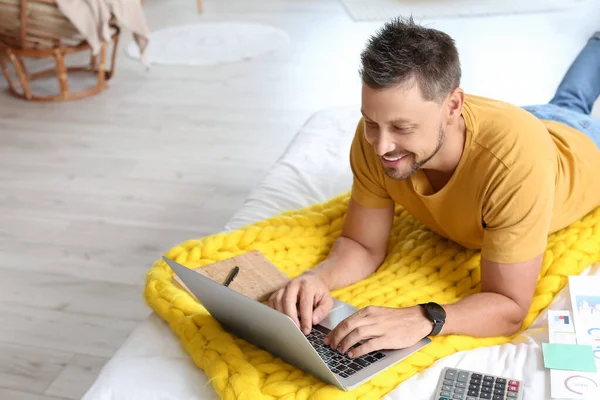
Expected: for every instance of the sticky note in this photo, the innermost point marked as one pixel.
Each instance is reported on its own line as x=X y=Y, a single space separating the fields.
x=570 y=357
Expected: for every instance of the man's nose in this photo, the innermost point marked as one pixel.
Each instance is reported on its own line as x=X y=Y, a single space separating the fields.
x=383 y=145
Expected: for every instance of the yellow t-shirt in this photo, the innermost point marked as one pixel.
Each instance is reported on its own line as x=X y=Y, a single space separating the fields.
x=519 y=179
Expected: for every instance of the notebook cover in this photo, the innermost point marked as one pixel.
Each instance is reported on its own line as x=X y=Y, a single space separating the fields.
x=257 y=278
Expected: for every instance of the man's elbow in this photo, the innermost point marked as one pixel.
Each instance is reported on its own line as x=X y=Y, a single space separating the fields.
x=378 y=258
x=514 y=319
x=513 y=327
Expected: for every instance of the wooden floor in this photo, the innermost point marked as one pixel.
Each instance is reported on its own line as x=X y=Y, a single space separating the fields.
x=93 y=192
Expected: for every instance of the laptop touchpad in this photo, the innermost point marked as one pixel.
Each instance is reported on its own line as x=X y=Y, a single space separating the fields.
x=339 y=312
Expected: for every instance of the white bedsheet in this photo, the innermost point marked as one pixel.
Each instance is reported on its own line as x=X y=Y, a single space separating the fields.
x=151 y=365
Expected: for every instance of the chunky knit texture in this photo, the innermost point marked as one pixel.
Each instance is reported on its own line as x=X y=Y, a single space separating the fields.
x=421 y=266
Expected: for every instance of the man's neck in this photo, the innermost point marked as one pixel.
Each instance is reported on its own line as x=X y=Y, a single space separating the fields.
x=449 y=156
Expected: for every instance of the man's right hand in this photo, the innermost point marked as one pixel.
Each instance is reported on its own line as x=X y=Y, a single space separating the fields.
x=356 y=254
x=307 y=294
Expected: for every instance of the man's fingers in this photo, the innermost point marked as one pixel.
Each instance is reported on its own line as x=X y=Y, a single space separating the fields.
x=278 y=301
x=370 y=345
x=290 y=299
x=344 y=328
x=364 y=332
x=306 y=309
x=272 y=302
x=323 y=307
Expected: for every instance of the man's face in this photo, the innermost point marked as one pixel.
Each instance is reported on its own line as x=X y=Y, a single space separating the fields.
x=405 y=131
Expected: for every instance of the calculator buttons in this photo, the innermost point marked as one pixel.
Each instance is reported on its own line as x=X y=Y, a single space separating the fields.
x=457 y=384
x=451 y=374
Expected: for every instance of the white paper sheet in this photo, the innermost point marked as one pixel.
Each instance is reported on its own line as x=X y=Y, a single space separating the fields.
x=577 y=328
x=585 y=300
x=560 y=327
x=574 y=385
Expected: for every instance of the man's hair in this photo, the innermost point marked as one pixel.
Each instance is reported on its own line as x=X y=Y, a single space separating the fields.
x=403 y=50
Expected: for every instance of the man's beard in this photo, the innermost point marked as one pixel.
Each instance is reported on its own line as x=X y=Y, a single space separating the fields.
x=414 y=165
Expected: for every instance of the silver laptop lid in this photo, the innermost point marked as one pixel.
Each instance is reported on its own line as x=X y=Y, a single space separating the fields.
x=255 y=322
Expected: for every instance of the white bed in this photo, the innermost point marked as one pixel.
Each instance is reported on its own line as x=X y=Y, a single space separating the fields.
x=151 y=365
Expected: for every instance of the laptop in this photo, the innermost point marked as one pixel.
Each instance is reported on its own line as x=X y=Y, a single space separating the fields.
x=277 y=333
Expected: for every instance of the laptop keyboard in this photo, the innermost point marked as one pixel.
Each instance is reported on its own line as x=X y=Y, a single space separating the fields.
x=340 y=364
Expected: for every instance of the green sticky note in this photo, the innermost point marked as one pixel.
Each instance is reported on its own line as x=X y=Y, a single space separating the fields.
x=570 y=357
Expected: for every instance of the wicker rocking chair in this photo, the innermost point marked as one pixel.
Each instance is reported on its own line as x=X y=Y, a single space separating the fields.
x=37 y=29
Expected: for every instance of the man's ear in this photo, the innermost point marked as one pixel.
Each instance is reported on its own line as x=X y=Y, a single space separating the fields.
x=454 y=104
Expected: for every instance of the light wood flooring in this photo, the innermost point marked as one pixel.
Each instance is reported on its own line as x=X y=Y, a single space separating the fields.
x=93 y=192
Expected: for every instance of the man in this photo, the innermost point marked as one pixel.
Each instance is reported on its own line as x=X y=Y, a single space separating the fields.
x=483 y=173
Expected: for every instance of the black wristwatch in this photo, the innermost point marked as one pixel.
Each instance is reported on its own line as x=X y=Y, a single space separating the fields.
x=436 y=314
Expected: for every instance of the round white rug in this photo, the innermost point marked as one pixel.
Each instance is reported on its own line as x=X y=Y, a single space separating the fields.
x=211 y=43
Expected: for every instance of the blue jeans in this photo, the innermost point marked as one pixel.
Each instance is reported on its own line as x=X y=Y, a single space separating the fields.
x=576 y=94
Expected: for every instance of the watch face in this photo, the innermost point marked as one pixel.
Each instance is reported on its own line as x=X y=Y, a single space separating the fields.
x=436 y=311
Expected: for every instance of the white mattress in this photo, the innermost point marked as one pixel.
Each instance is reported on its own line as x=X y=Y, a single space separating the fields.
x=151 y=365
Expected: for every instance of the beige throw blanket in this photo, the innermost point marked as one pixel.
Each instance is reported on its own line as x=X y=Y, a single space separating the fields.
x=92 y=17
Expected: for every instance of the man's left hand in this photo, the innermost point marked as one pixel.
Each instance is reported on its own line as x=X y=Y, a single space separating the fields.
x=380 y=328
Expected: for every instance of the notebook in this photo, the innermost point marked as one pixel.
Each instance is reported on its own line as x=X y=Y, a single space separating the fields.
x=257 y=278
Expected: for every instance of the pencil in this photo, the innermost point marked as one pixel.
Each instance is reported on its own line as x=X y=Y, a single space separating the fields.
x=232 y=275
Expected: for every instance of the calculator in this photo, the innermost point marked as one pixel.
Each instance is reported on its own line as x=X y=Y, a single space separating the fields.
x=460 y=384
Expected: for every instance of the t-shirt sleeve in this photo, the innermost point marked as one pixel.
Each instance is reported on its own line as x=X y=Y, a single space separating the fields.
x=368 y=187
x=518 y=213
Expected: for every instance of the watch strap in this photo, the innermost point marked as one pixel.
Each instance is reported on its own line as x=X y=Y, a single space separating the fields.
x=437 y=323
x=437 y=327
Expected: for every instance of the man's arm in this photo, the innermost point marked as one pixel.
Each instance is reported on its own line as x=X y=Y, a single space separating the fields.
x=499 y=309
x=360 y=249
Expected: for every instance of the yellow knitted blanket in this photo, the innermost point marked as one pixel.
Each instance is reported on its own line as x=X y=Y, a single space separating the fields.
x=421 y=266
